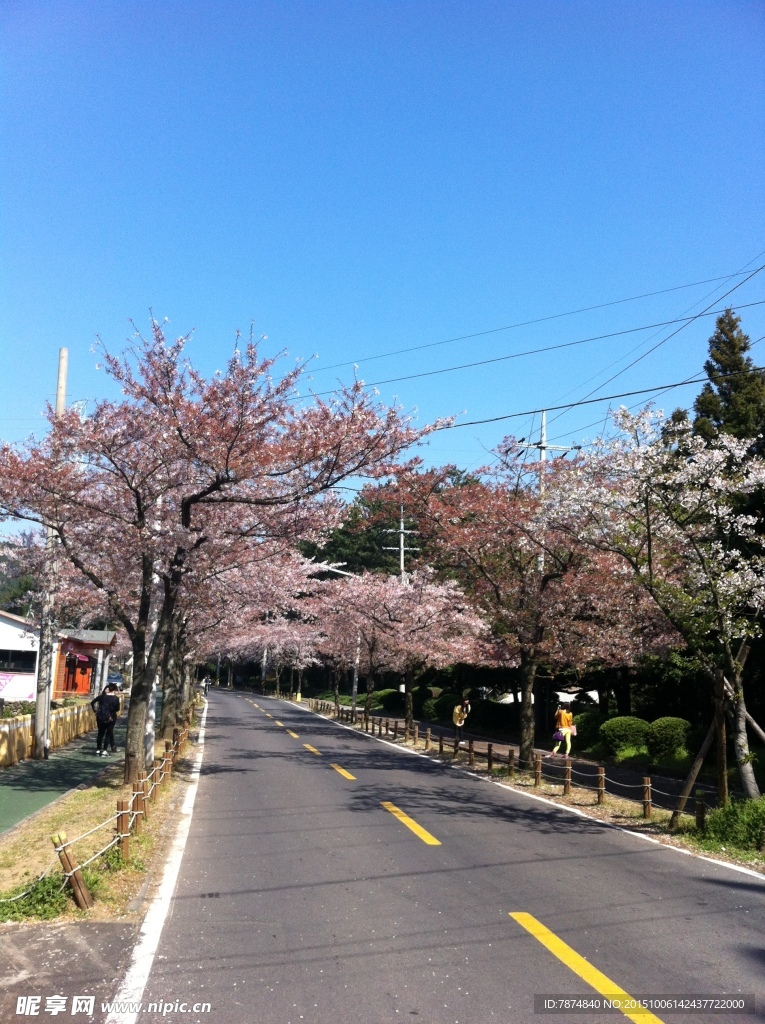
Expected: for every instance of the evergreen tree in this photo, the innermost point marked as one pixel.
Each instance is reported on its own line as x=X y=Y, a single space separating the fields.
x=730 y=404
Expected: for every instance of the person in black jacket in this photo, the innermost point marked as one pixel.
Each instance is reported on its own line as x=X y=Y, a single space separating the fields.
x=107 y=708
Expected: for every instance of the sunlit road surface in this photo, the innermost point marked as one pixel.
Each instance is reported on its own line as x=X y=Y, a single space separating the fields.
x=308 y=892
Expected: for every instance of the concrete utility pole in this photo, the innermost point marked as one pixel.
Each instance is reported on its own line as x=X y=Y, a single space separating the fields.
x=543 y=447
x=401 y=547
x=44 y=690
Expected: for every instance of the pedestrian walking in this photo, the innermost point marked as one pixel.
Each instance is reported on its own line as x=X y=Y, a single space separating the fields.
x=564 y=724
x=459 y=715
x=107 y=708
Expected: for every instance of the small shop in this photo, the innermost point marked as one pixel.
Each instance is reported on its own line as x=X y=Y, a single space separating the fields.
x=82 y=661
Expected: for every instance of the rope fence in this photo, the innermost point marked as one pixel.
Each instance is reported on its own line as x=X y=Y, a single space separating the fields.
x=129 y=818
x=596 y=781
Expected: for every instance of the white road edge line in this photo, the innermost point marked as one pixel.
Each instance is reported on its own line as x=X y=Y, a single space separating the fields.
x=541 y=799
x=134 y=982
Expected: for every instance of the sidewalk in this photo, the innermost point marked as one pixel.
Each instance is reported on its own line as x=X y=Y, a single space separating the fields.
x=30 y=785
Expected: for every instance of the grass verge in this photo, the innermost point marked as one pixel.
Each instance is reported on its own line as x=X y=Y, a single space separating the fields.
x=26 y=851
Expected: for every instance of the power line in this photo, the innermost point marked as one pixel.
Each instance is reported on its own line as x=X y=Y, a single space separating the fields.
x=685 y=321
x=672 y=334
x=529 y=323
x=606 y=398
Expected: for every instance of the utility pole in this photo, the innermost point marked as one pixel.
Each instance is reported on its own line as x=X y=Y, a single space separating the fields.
x=543 y=447
x=44 y=690
x=401 y=547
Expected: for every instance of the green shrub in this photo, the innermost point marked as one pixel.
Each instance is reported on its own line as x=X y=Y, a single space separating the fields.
x=588 y=725
x=420 y=695
x=625 y=731
x=493 y=717
x=741 y=823
x=444 y=706
x=429 y=712
x=389 y=700
x=666 y=738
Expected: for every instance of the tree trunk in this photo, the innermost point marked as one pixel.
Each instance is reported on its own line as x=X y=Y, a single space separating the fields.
x=370 y=694
x=336 y=688
x=528 y=673
x=741 y=742
x=136 y=721
x=408 y=699
x=292 y=681
x=278 y=674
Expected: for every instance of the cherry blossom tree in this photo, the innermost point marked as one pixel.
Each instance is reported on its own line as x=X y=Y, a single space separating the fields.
x=667 y=502
x=404 y=625
x=544 y=595
x=135 y=491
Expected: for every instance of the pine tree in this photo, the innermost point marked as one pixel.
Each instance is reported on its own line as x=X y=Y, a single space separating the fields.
x=730 y=404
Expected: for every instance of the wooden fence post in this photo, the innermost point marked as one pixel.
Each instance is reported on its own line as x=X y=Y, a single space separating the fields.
x=567 y=778
x=489 y=757
x=601 y=784
x=138 y=806
x=406 y=732
x=123 y=826
x=157 y=775
x=143 y=782
x=427 y=739
x=456 y=747
x=82 y=897
x=416 y=734
x=537 y=769
x=701 y=810
x=511 y=762
x=387 y=727
x=440 y=744
x=647 y=797
x=169 y=757
x=471 y=754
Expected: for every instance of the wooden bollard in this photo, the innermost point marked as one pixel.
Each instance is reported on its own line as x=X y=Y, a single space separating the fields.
x=123 y=827
x=157 y=775
x=406 y=732
x=646 y=797
x=416 y=734
x=143 y=782
x=427 y=739
x=379 y=726
x=395 y=730
x=387 y=727
x=537 y=769
x=567 y=778
x=456 y=747
x=471 y=754
x=701 y=811
x=601 y=784
x=511 y=763
x=489 y=757
x=440 y=744
x=82 y=897
x=169 y=757
x=138 y=806
x=176 y=743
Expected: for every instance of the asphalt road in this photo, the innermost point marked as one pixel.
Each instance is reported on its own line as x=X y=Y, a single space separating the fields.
x=302 y=898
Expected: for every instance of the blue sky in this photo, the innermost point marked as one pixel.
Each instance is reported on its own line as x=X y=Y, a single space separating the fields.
x=358 y=178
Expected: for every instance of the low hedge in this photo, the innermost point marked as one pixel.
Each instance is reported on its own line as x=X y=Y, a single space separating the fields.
x=667 y=738
x=588 y=725
x=625 y=731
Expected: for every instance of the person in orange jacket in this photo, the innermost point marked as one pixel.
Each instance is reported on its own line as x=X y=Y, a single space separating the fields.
x=563 y=722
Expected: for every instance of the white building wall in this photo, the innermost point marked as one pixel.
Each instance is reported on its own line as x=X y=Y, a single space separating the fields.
x=16 y=635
